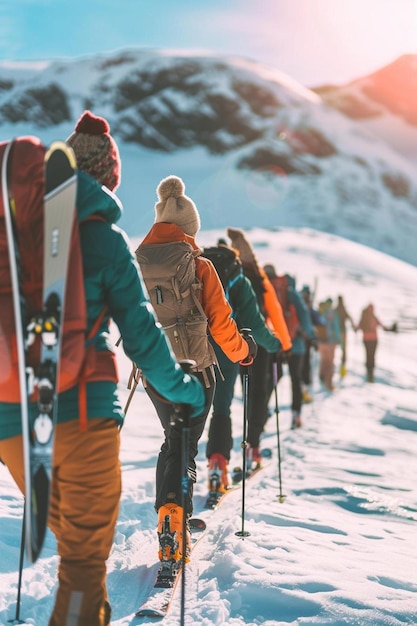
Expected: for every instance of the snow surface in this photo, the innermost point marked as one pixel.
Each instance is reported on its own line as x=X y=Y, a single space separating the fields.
x=341 y=549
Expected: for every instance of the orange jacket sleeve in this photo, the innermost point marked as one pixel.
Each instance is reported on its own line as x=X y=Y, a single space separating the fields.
x=221 y=325
x=275 y=316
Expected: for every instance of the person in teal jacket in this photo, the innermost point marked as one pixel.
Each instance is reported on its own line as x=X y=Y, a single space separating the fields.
x=86 y=484
x=294 y=359
x=247 y=314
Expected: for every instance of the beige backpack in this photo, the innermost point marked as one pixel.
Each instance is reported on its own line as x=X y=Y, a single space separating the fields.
x=168 y=270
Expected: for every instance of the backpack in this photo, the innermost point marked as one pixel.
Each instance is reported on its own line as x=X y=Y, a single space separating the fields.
x=168 y=270
x=280 y=284
x=26 y=184
x=227 y=265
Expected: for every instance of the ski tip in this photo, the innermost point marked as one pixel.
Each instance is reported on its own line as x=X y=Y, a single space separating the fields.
x=150 y=613
x=61 y=146
x=197 y=524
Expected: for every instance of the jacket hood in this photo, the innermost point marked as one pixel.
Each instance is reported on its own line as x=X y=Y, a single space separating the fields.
x=165 y=232
x=92 y=197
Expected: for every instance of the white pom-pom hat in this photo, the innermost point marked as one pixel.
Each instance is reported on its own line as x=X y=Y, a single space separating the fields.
x=175 y=207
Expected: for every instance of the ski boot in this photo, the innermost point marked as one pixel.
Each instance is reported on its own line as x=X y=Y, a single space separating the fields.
x=170 y=536
x=296 y=420
x=218 y=479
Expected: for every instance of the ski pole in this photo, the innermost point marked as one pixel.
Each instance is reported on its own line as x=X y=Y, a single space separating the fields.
x=281 y=496
x=17 y=619
x=182 y=415
x=245 y=371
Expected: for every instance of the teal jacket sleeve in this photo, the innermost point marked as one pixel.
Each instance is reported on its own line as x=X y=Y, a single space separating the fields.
x=248 y=315
x=113 y=276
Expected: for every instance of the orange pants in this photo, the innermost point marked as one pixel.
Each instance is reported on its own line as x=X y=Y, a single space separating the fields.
x=84 y=506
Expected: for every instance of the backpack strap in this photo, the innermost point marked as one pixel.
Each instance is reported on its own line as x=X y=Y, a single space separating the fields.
x=82 y=388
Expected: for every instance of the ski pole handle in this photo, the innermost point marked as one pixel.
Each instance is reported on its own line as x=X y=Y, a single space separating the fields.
x=181 y=412
x=247 y=336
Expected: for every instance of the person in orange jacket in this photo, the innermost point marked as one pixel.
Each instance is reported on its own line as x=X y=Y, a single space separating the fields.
x=177 y=219
x=258 y=395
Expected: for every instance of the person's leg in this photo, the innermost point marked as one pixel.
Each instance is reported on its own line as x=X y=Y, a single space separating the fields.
x=294 y=364
x=258 y=400
x=85 y=497
x=169 y=466
x=220 y=440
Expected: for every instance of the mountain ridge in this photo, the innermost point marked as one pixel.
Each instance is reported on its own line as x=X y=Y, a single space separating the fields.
x=254 y=147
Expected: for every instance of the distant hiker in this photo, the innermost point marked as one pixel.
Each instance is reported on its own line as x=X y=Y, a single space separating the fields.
x=190 y=303
x=242 y=299
x=300 y=330
x=344 y=317
x=86 y=484
x=272 y=311
x=328 y=341
x=317 y=321
x=369 y=324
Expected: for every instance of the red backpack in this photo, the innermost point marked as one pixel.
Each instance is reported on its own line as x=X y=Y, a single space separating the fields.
x=280 y=284
x=26 y=188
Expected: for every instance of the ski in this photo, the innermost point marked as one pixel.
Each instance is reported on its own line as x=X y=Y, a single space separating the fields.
x=162 y=593
x=38 y=426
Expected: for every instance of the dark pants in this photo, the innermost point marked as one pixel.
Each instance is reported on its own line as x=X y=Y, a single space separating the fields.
x=169 y=468
x=295 y=363
x=220 y=439
x=306 y=365
x=258 y=396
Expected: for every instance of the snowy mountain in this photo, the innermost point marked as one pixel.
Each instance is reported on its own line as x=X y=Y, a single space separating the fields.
x=254 y=147
x=339 y=550
x=385 y=100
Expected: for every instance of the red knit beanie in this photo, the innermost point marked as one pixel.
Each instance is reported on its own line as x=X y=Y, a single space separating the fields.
x=95 y=150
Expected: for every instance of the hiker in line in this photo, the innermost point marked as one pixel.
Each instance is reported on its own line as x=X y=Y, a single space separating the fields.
x=271 y=309
x=86 y=484
x=242 y=299
x=343 y=318
x=369 y=324
x=316 y=321
x=328 y=340
x=300 y=329
x=189 y=311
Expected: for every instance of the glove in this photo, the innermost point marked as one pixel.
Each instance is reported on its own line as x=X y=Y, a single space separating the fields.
x=253 y=350
x=285 y=355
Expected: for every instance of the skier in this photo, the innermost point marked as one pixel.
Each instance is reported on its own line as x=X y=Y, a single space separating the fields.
x=246 y=312
x=177 y=220
x=369 y=324
x=317 y=322
x=344 y=317
x=270 y=307
x=86 y=485
x=328 y=342
x=303 y=330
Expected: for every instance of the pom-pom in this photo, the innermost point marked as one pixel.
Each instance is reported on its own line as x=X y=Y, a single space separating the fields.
x=170 y=187
x=92 y=125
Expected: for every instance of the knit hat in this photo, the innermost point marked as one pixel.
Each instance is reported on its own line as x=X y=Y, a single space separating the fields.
x=176 y=208
x=95 y=150
x=270 y=270
x=239 y=241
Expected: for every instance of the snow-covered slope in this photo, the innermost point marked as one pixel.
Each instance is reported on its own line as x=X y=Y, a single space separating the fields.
x=254 y=147
x=339 y=551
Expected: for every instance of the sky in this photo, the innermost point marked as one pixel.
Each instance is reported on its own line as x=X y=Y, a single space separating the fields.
x=340 y=549
x=314 y=41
